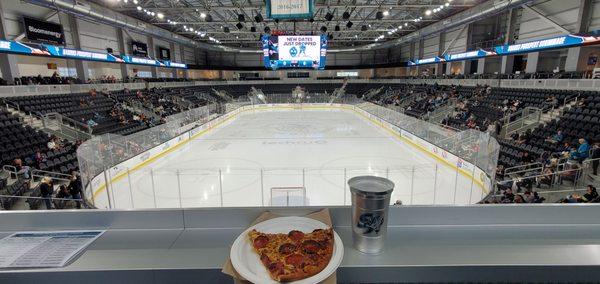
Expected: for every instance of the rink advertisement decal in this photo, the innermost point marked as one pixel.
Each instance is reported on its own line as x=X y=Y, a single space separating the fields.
x=121 y=170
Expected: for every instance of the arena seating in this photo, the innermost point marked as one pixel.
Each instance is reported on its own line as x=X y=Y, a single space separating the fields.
x=17 y=140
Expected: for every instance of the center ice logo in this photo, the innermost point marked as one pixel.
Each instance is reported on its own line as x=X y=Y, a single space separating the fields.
x=293 y=51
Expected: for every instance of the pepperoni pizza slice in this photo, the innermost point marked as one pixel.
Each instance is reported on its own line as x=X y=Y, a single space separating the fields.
x=295 y=255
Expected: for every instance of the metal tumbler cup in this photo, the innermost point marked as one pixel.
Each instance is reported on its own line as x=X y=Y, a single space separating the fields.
x=370 y=202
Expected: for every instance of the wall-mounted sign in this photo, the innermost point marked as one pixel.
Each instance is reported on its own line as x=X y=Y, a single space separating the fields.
x=164 y=53
x=347 y=74
x=42 y=31
x=139 y=49
x=290 y=9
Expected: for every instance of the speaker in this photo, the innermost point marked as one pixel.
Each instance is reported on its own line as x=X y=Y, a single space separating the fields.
x=253 y=29
x=241 y=18
x=258 y=18
x=239 y=26
x=349 y=24
x=208 y=18
x=364 y=28
x=379 y=15
x=267 y=29
x=329 y=16
x=346 y=15
x=323 y=29
x=109 y=50
x=337 y=28
x=226 y=29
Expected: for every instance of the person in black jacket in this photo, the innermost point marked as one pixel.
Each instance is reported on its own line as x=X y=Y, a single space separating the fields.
x=75 y=188
x=47 y=190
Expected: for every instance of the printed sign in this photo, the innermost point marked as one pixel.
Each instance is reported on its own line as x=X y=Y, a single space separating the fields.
x=139 y=48
x=164 y=53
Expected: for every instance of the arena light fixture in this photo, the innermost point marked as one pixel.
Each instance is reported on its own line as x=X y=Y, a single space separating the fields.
x=364 y=28
x=160 y=16
x=139 y=8
x=135 y=2
x=386 y=13
x=202 y=15
x=258 y=18
x=447 y=4
x=208 y=18
x=427 y=12
x=329 y=16
x=346 y=15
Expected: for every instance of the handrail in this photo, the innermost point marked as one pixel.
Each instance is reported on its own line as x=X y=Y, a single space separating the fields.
x=54 y=175
x=531 y=166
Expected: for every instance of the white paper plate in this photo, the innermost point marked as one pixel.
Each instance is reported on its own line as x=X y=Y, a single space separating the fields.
x=247 y=263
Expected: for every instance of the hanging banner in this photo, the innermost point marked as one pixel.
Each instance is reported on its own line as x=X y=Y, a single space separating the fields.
x=290 y=9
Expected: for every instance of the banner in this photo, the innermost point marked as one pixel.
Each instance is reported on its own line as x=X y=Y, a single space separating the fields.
x=556 y=42
x=62 y=52
x=468 y=55
x=290 y=9
x=139 y=49
x=42 y=31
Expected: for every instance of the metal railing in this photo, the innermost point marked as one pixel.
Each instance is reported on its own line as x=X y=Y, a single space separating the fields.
x=67 y=127
x=527 y=118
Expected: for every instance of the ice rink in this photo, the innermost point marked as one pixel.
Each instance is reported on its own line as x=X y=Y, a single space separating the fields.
x=288 y=157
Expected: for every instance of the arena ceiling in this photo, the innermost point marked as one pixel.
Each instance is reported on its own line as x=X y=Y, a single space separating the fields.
x=349 y=23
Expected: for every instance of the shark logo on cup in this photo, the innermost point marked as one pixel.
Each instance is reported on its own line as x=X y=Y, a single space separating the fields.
x=370 y=223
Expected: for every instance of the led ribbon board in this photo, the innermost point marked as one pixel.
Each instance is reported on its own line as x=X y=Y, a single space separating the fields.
x=556 y=42
x=294 y=51
x=62 y=52
x=290 y=9
x=468 y=55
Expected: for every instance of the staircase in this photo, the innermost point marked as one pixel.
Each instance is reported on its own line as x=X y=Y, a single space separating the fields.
x=28 y=119
x=339 y=92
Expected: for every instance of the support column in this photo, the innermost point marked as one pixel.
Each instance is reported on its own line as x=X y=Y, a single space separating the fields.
x=481 y=65
x=153 y=69
x=573 y=62
x=508 y=63
x=122 y=51
x=81 y=66
x=172 y=58
x=8 y=62
x=509 y=60
x=449 y=68
x=441 y=44
x=182 y=55
x=466 y=66
x=532 y=62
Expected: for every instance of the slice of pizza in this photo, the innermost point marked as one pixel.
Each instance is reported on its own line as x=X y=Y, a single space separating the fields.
x=295 y=255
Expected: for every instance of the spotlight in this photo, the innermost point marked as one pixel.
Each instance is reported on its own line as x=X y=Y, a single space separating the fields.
x=346 y=15
x=160 y=15
x=386 y=13
x=203 y=15
x=253 y=29
x=258 y=18
x=364 y=28
x=139 y=8
x=329 y=16
x=323 y=29
x=379 y=15
x=226 y=30
x=267 y=29
x=337 y=28
x=349 y=24
x=239 y=26
x=208 y=18
x=241 y=18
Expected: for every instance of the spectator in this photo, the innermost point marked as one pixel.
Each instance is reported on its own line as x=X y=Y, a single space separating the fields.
x=595 y=157
x=75 y=188
x=22 y=171
x=583 y=151
x=46 y=189
x=556 y=138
